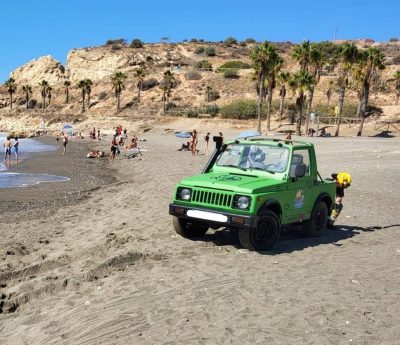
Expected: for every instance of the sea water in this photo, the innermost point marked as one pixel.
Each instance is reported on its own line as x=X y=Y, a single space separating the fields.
x=26 y=146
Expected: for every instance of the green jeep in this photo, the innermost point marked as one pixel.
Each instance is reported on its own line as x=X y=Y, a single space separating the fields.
x=255 y=186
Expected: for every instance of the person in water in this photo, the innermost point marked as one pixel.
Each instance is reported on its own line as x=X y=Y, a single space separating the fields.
x=16 y=145
x=7 y=149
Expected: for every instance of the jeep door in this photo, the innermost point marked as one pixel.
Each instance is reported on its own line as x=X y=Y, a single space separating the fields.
x=300 y=198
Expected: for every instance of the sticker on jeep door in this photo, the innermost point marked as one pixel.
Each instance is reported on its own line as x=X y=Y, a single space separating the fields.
x=299 y=199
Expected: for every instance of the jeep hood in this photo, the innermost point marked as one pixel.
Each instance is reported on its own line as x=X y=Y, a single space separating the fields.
x=240 y=183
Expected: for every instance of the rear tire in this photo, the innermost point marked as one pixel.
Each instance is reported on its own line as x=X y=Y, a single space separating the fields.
x=316 y=225
x=188 y=229
x=264 y=236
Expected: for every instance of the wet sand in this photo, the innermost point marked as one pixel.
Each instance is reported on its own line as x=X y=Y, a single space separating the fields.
x=85 y=176
x=111 y=270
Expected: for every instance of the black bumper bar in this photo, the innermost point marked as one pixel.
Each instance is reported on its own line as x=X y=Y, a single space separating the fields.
x=233 y=219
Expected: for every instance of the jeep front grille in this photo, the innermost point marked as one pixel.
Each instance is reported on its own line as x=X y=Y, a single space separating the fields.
x=213 y=198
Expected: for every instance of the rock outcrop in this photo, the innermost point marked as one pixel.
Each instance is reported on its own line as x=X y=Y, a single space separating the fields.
x=44 y=68
x=100 y=62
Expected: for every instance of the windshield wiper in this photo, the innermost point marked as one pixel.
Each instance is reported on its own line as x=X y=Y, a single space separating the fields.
x=235 y=166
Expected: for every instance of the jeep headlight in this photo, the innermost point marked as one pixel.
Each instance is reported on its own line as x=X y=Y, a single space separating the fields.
x=243 y=202
x=185 y=194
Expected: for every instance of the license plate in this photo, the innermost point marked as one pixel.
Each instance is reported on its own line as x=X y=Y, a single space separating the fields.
x=216 y=217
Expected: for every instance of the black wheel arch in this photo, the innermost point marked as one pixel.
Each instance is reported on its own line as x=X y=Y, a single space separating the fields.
x=325 y=197
x=272 y=205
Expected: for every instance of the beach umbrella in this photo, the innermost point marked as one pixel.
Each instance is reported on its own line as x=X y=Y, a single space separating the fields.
x=67 y=128
x=182 y=134
x=248 y=134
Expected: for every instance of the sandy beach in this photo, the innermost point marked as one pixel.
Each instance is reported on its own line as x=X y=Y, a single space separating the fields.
x=100 y=263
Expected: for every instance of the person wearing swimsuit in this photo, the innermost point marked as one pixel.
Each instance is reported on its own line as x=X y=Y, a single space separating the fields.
x=206 y=140
x=7 y=149
x=16 y=145
x=194 y=142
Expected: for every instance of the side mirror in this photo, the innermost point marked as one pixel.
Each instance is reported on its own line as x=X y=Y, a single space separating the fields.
x=297 y=170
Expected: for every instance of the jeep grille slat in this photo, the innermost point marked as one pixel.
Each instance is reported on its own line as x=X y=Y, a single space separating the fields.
x=211 y=198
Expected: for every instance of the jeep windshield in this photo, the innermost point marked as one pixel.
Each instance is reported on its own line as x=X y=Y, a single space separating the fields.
x=272 y=159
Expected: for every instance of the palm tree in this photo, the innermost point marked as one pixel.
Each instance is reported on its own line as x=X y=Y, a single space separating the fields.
x=166 y=90
x=11 y=88
x=300 y=83
x=169 y=79
x=346 y=56
x=82 y=85
x=139 y=75
x=88 y=90
x=283 y=78
x=397 y=85
x=118 y=79
x=370 y=61
x=67 y=85
x=276 y=64
x=27 y=89
x=44 y=85
x=48 y=93
x=262 y=56
x=329 y=93
x=208 y=92
x=302 y=54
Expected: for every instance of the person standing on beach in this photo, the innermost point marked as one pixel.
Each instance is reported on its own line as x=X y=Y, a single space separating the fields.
x=98 y=134
x=7 y=149
x=194 y=142
x=16 y=145
x=219 y=141
x=206 y=140
x=114 y=146
x=65 y=142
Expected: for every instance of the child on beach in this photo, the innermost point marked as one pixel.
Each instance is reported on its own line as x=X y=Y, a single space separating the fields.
x=343 y=181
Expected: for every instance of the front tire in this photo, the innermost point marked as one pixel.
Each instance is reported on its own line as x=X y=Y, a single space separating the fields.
x=264 y=236
x=316 y=225
x=188 y=229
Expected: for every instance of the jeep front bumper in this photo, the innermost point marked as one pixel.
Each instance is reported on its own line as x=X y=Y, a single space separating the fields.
x=212 y=217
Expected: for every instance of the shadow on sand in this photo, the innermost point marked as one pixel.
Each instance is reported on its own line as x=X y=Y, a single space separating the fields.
x=291 y=240
x=383 y=134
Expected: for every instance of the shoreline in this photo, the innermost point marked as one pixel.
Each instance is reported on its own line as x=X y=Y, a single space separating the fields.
x=40 y=200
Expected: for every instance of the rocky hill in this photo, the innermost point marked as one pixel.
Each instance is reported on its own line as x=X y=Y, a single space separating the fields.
x=98 y=63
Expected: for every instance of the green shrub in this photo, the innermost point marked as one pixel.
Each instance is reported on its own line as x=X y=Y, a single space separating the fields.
x=149 y=84
x=136 y=43
x=242 y=110
x=192 y=113
x=242 y=43
x=349 y=110
x=211 y=109
x=231 y=73
x=170 y=105
x=250 y=40
x=116 y=47
x=192 y=75
x=212 y=95
x=199 y=50
x=194 y=40
x=233 y=64
x=116 y=41
x=210 y=51
x=230 y=41
x=204 y=64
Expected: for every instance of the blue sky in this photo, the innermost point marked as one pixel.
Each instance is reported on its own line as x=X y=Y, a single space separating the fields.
x=32 y=28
